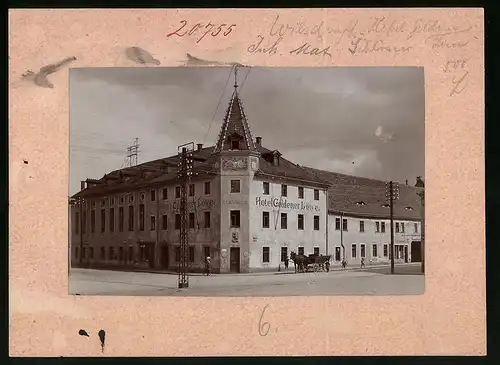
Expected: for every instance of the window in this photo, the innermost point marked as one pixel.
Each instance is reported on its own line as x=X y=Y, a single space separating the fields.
x=316 y=194
x=265 y=187
x=84 y=252
x=120 y=253
x=316 y=251
x=103 y=220
x=300 y=221
x=344 y=224
x=177 y=192
x=207 y=188
x=235 y=144
x=77 y=251
x=177 y=253
x=92 y=221
x=121 y=219
x=363 y=250
x=164 y=194
x=191 y=220
x=265 y=254
x=131 y=253
x=111 y=254
x=192 y=189
x=265 y=219
x=152 y=223
x=382 y=226
x=374 y=250
x=103 y=253
x=377 y=227
x=284 y=254
x=84 y=222
x=142 y=197
x=397 y=227
x=177 y=221
x=206 y=252
x=130 y=217
x=353 y=251
x=191 y=253
x=284 y=221
x=112 y=201
x=385 y=250
x=141 y=217
x=402 y=225
x=415 y=227
x=235 y=186
x=152 y=195
x=131 y=198
x=235 y=218
x=121 y=200
x=284 y=190
x=301 y=192
x=301 y=250
x=361 y=226
x=77 y=222
x=316 y=222
x=207 y=219
x=111 y=219
x=337 y=224
x=164 y=222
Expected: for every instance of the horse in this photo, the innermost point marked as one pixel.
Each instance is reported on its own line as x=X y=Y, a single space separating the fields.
x=299 y=260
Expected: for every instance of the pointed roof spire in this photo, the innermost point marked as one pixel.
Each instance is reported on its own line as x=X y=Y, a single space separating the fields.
x=235 y=133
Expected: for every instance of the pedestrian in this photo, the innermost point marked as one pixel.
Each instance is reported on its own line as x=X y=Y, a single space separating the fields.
x=208 y=266
x=362 y=263
x=327 y=265
x=344 y=264
x=286 y=262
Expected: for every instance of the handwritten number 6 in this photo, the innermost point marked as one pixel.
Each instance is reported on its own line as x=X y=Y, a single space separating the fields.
x=263 y=330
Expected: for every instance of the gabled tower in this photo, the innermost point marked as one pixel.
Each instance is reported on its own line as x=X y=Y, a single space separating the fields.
x=237 y=161
x=235 y=133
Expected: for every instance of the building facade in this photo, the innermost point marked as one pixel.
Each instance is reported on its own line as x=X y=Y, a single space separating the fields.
x=248 y=209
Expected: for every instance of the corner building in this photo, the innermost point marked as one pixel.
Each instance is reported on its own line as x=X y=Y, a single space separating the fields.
x=249 y=207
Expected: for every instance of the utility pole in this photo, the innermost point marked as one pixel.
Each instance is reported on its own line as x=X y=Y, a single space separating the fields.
x=185 y=174
x=422 y=229
x=392 y=194
x=132 y=153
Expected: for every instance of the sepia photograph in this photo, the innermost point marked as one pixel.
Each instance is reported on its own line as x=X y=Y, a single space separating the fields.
x=246 y=181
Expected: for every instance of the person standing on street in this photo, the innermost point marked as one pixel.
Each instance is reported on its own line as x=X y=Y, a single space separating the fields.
x=286 y=262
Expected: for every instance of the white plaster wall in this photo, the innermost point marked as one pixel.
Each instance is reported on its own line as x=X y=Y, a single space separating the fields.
x=274 y=237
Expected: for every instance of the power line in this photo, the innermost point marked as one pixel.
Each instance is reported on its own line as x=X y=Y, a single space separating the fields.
x=218 y=104
x=133 y=153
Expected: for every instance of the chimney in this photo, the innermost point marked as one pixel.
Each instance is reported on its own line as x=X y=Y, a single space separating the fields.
x=200 y=146
x=82 y=185
x=258 y=141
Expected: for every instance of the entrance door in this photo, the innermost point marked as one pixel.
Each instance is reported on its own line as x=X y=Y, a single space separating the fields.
x=406 y=253
x=234 y=263
x=416 y=251
x=164 y=257
x=337 y=253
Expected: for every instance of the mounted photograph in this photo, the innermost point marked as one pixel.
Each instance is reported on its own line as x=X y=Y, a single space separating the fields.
x=246 y=181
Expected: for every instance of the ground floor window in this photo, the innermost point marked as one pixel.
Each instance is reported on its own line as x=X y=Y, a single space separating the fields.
x=374 y=250
x=206 y=252
x=120 y=253
x=111 y=253
x=301 y=250
x=103 y=253
x=191 y=253
x=385 y=250
x=353 y=251
x=316 y=251
x=265 y=254
x=131 y=253
x=363 y=250
x=177 y=250
x=284 y=254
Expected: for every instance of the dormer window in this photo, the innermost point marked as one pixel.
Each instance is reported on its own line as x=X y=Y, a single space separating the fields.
x=360 y=203
x=235 y=144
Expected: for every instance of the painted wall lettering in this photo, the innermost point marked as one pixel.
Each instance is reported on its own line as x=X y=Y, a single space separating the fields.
x=283 y=203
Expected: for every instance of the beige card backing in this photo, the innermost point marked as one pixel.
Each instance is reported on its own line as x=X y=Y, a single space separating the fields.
x=448 y=319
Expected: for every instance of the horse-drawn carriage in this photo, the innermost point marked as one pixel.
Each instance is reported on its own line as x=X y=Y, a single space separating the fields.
x=313 y=262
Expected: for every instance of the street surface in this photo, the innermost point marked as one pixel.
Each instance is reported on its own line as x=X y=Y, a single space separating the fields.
x=370 y=281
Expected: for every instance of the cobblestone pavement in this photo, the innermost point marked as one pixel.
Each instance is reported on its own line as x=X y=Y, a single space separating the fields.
x=370 y=281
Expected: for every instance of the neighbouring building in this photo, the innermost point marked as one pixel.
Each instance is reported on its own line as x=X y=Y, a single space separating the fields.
x=249 y=207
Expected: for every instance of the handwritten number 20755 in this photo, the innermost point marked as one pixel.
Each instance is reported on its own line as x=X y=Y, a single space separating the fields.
x=201 y=30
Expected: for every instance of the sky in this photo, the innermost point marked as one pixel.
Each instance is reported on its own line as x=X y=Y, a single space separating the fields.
x=363 y=121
